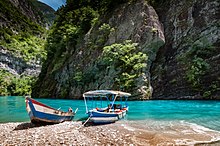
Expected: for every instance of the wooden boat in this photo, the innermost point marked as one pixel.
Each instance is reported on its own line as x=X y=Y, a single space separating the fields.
x=41 y=113
x=105 y=106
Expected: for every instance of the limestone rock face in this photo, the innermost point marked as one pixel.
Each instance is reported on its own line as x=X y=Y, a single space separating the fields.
x=188 y=65
x=137 y=22
x=16 y=65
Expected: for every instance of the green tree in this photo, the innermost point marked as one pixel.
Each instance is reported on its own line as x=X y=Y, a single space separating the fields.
x=15 y=85
x=128 y=59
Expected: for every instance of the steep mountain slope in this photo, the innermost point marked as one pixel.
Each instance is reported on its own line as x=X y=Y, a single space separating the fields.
x=22 y=37
x=18 y=17
x=88 y=52
x=123 y=45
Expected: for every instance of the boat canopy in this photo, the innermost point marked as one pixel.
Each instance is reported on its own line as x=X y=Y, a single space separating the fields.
x=98 y=93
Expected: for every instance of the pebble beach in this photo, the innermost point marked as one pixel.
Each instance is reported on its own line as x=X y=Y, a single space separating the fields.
x=119 y=133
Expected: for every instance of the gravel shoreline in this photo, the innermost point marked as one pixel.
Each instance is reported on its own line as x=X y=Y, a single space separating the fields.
x=74 y=133
x=67 y=133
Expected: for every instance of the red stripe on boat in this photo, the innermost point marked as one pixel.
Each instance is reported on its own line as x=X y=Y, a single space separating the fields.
x=38 y=103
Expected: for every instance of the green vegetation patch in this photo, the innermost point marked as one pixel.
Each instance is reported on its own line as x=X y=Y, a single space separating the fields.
x=195 y=60
x=125 y=57
x=197 y=69
x=15 y=85
x=20 y=35
x=28 y=47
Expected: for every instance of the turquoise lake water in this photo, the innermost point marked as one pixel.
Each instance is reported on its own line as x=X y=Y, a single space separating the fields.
x=204 y=113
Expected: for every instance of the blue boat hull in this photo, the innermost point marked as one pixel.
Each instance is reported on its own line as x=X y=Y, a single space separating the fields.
x=40 y=113
x=105 y=117
x=37 y=117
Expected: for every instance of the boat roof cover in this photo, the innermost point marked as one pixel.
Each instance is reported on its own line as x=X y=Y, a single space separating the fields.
x=104 y=93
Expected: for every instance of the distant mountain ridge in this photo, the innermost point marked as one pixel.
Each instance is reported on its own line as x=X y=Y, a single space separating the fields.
x=46 y=11
x=15 y=13
x=22 y=14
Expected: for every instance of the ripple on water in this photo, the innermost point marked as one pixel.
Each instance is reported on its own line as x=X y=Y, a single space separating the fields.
x=179 y=132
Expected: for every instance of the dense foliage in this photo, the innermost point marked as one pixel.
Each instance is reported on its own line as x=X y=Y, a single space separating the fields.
x=15 y=85
x=27 y=47
x=125 y=58
x=197 y=66
x=81 y=15
x=73 y=21
x=20 y=35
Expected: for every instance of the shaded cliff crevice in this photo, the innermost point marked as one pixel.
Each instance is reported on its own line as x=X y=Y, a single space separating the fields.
x=187 y=66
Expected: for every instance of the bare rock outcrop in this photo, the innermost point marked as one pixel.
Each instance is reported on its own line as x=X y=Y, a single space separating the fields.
x=188 y=65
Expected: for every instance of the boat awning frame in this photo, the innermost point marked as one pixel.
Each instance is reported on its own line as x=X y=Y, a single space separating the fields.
x=104 y=93
x=98 y=93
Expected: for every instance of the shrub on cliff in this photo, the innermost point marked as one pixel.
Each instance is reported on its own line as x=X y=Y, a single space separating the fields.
x=125 y=57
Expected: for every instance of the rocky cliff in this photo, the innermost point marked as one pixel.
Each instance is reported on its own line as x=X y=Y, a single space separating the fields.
x=188 y=65
x=22 y=36
x=82 y=70
x=182 y=49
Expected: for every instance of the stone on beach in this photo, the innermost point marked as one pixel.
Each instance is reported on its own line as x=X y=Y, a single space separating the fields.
x=73 y=133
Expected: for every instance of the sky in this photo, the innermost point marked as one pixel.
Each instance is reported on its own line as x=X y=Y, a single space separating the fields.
x=55 y=4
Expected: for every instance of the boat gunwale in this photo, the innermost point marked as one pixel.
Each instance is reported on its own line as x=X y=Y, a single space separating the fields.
x=44 y=105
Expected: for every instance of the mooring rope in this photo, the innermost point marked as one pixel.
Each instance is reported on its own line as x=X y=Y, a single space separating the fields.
x=85 y=122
